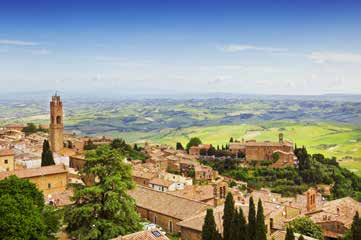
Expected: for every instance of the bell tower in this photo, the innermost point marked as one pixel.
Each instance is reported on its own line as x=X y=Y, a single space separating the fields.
x=56 y=124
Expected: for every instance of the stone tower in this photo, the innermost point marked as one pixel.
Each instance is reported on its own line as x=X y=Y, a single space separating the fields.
x=56 y=124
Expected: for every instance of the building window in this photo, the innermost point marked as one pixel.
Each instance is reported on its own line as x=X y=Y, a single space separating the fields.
x=155 y=219
x=49 y=185
x=58 y=120
x=6 y=161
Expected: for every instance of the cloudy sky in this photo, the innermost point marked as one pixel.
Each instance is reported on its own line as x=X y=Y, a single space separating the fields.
x=265 y=47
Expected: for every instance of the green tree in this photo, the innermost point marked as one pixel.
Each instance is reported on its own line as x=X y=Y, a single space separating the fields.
x=211 y=151
x=301 y=238
x=289 y=234
x=238 y=226
x=29 y=129
x=356 y=227
x=275 y=156
x=179 y=146
x=306 y=226
x=13 y=185
x=228 y=216
x=194 y=141
x=47 y=158
x=209 y=231
x=261 y=231
x=252 y=225
x=231 y=140
x=103 y=210
x=20 y=218
x=89 y=145
x=23 y=212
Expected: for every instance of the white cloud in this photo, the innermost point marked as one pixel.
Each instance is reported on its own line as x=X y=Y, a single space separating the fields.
x=338 y=57
x=17 y=43
x=244 y=47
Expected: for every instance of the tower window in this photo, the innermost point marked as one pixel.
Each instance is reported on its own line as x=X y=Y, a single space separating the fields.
x=58 y=119
x=6 y=161
x=49 y=185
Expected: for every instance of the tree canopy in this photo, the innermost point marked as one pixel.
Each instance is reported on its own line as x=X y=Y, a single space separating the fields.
x=252 y=225
x=261 y=231
x=22 y=211
x=228 y=216
x=307 y=227
x=47 y=158
x=289 y=234
x=194 y=141
x=103 y=210
x=209 y=231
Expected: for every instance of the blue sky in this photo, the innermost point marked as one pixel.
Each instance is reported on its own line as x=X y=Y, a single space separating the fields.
x=266 y=47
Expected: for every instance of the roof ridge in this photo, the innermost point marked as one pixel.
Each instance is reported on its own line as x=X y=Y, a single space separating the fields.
x=170 y=194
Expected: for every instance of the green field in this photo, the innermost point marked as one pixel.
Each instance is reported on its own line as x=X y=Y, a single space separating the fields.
x=331 y=139
x=325 y=124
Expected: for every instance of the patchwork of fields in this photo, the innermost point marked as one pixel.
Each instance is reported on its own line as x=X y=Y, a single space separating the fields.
x=325 y=124
x=331 y=139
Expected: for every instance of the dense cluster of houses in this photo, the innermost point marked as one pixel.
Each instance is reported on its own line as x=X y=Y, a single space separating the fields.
x=173 y=189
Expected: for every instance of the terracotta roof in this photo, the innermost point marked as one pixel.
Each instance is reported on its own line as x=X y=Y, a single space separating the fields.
x=160 y=182
x=195 y=192
x=280 y=235
x=272 y=144
x=6 y=152
x=165 y=203
x=34 y=172
x=143 y=174
x=340 y=210
x=16 y=125
x=67 y=152
x=153 y=234
x=196 y=222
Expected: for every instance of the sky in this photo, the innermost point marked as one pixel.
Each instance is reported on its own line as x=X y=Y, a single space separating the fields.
x=125 y=47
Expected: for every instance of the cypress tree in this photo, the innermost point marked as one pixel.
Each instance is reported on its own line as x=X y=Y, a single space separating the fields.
x=289 y=234
x=238 y=226
x=252 y=220
x=228 y=216
x=209 y=231
x=261 y=231
x=356 y=227
x=47 y=156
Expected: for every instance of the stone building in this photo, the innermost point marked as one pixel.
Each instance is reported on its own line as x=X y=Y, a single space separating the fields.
x=335 y=217
x=49 y=179
x=266 y=150
x=7 y=161
x=204 y=173
x=196 y=150
x=191 y=228
x=56 y=124
x=165 y=209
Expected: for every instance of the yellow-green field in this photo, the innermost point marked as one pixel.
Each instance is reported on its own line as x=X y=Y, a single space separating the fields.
x=331 y=139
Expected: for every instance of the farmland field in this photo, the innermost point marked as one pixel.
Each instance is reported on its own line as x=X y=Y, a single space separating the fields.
x=325 y=124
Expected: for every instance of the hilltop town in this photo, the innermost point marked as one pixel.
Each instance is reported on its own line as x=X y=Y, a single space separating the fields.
x=175 y=185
